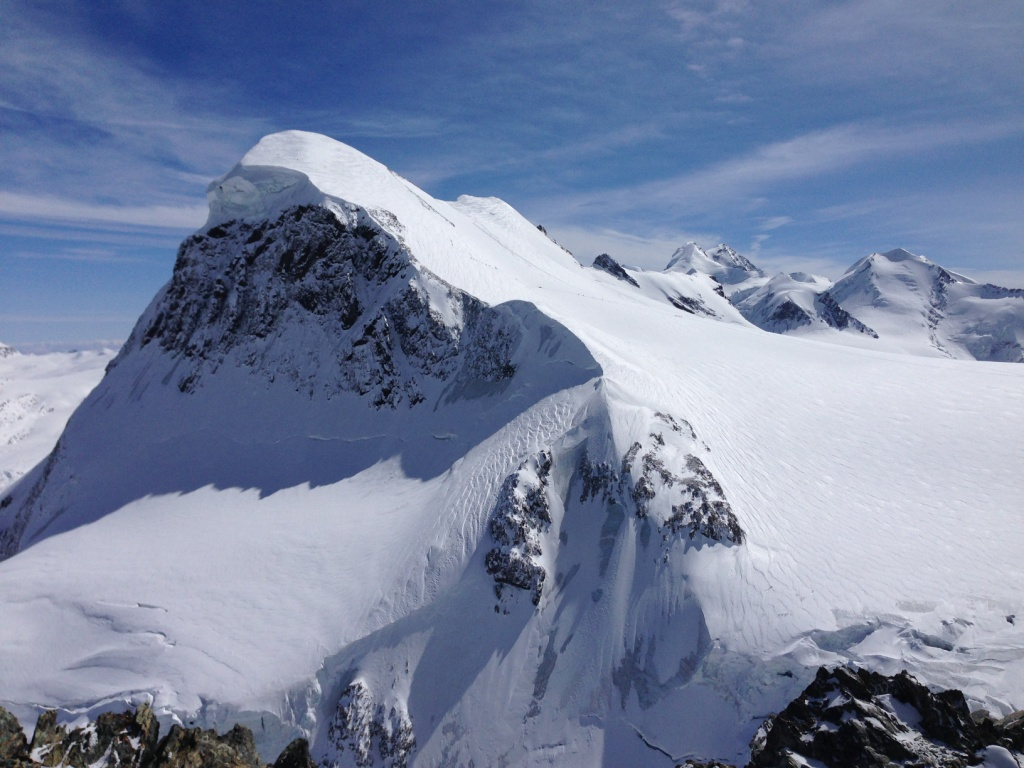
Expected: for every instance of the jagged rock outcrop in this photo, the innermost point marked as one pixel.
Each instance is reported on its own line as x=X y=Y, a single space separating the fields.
x=194 y=747
x=854 y=717
x=520 y=517
x=371 y=732
x=295 y=755
x=125 y=739
x=368 y=313
x=857 y=718
x=14 y=749
x=131 y=740
x=837 y=317
x=657 y=479
x=606 y=263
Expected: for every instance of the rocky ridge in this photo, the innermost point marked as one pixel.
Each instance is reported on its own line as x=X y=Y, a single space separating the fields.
x=854 y=717
x=132 y=740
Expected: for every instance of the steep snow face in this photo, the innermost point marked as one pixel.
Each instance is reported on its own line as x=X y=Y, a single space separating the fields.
x=402 y=476
x=925 y=309
x=37 y=395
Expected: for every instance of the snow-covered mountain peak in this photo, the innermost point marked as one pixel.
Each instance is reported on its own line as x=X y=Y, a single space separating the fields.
x=721 y=262
x=6 y=351
x=686 y=257
x=298 y=168
x=727 y=257
x=924 y=308
x=901 y=254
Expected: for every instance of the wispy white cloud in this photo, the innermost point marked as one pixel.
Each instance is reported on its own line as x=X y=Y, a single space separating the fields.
x=90 y=345
x=56 y=209
x=740 y=180
x=69 y=318
x=81 y=255
x=89 y=125
x=879 y=41
x=773 y=222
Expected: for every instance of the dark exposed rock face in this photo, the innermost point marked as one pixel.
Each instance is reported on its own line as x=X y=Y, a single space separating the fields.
x=295 y=755
x=520 y=517
x=194 y=747
x=125 y=739
x=788 y=316
x=606 y=263
x=694 y=306
x=853 y=718
x=371 y=732
x=131 y=740
x=13 y=744
x=368 y=313
x=837 y=317
x=690 y=502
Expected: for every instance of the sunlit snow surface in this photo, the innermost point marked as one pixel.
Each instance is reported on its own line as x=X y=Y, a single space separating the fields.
x=246 y=551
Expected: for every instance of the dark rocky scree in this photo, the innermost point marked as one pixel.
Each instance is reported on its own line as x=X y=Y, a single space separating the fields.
x=350 y=286
x=520 y=518
x=837 y=317
x=367 y=730
x=131 y=739
x=786 y=317
x=693 y=306
x=606 y=263
x=699 y=509
x=853 y=718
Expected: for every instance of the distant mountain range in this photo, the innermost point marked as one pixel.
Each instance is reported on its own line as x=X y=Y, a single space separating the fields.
x=898 y=300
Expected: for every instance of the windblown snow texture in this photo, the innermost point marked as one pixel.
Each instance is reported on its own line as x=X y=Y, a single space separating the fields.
x=401 y=477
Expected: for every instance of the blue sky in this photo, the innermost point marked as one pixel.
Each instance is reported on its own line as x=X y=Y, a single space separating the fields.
x=804 y=134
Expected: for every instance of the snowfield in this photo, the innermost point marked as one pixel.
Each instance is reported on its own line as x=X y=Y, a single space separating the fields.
x=401 y=475
x=37 y=395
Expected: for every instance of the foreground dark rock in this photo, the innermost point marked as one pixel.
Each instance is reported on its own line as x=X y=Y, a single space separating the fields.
x=13 y=745
x=131 y=740
x=846 y=718
x=853 y=718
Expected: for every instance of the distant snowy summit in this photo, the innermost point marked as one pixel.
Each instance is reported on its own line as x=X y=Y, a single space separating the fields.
x=721 y=263
x=895 y=301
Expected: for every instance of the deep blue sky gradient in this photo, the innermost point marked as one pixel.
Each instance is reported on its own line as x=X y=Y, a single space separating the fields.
x=804 y=134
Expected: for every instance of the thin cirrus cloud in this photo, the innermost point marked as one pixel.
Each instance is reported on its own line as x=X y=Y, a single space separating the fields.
x=95 y=125
x=812 y=154
x=181 y=217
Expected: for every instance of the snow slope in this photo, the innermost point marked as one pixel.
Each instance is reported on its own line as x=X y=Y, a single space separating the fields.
x=37 y=395
x=408 y=479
